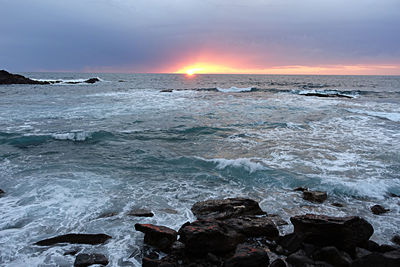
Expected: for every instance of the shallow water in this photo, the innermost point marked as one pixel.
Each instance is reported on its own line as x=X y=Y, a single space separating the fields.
x=71 y=153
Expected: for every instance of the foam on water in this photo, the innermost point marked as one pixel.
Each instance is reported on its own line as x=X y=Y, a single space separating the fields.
x=384 y=115
x=235 y=89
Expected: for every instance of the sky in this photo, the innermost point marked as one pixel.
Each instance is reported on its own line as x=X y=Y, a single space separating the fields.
x=201 y=36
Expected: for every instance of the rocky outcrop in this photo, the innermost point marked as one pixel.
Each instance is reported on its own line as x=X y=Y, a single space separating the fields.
x=252 y=226
x=341 y=232
x=83 y=260
x=158 y=236
x=226 y=208
x=92 y=239
x=378 y=209
x=246 y=255
x=9 y=78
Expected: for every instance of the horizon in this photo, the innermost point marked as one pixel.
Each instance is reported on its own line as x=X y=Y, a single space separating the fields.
x=225 y=37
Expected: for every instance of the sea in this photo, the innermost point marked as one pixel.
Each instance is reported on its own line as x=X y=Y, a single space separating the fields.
x=77 y=158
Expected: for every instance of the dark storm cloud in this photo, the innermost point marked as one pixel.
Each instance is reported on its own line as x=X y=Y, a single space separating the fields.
x=150 y=35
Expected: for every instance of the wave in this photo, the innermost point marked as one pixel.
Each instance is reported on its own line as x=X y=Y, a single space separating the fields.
x=71 y=81
x=235 y=89
x=392 y=116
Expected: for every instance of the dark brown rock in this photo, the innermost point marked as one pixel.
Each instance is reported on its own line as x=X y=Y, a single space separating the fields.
x=336 y=204
x=9 y=78
x=396 y=239
x=203 y=236
x=289 y=243
x=387 y=259
x=342 y=232
x=315 y=196
x=248 y=256
x=378 y=209
x=83 y=260
x=333 y=256
x=226 y=208
x=158 y=236
x=141 y=213
x=278 y=263
x=301 y=189
x=370 y=245
x=164 y=262
x=167 y=91
x=252 y=226
x=299 y=259
x=92 y=239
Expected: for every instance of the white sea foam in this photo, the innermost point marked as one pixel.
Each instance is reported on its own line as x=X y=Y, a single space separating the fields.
x=72 y=136
x=67 y=81
x=248 y=164
x=234 y=89
x=393 y=116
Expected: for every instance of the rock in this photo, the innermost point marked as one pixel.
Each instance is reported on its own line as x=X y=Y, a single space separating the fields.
x=342 y=232
x=107 y=215
x=277 y=219
x=252 y=226
x=278 y=263
x=164 y=262
x=158 y=236
x=203 y=236
x=378 y=209
x=393 y=195
x=9 y=78
x=83 y=260
x=302 y=189
x=370 y=245
x=92 y=80
x=315 y=196
x=326 y=95
x=226 y=208
x=92 y=239
x=71 y=252
x=2 y=192
x=141 y=213
x=361 y=252
x=167 y=91
x=387 y=259
x=336 y=204
x=396 y=239
x=333 y=256
x=386 y=248
x=299 y=259
x=290 y=243
x=248 y=256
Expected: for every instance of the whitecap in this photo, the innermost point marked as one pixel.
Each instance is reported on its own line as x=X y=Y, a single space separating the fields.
x=393 y=116
x=234 y=89
x=72 y=136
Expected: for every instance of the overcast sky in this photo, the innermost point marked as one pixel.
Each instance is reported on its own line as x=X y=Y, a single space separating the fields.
x=161 y=35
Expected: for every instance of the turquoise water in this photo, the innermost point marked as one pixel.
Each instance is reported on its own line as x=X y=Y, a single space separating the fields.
x=70 y=153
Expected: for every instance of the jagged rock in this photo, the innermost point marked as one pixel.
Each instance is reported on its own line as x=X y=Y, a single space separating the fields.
x=315 y=196
x=278 y=263
x=378 y=209
x=342 y=232
x=396 y=239
x=387 y=259
x=9 y=78
x=158 y=236
x=252 y=226
x=83 y=260
x=203 y=236
x=333 y=256
x=248 y=256
x=91 y=239
x=141 y=213
x=226 y=208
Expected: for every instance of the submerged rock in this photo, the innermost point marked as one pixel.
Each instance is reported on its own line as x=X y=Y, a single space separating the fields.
x=226 y=208
x=248 y=256
x=9 y=78
x=341 y=232
x=83 y=260
x=203 y=236
x=91 y=239
x=378 y=209
x=158 y=236
x=326 y=95
x=315 y=196
x=141 y=213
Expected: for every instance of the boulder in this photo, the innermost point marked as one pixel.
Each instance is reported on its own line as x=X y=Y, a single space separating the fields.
x=278 y=263
x=341 y=232
x=83 y=260
x=158 y=236
x=378 y=210
x=164 y=262
x=387 y=259
x=92 y=239
x=141 y=213
x=396 y=239
x=289 y=244
x=248 y=256
x=203 y=236
x=9 y=78
x=333 y=256
x=252 y=226
x=315 y=196
x=226 y=208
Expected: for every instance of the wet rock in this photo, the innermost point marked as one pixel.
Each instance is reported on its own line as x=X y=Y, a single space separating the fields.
x=9 y=78
x=386 y=248
x=158 y=236
x=393 y=195
x=83 y=260
x=378 y=209
x=72 y=252
x=2 y=192
x=326 y=95
x=336 y=204
x=107 y=215
x=290 y=243
x=299 y=259
x=252 y=226
x=92 y=239
x=167 y=91
x=333 y=256
x=277 y=219
x=315 y=196
x=140 y=213
x=164 y=262
x=370 y=245
x=387 y=259
x=170 y=211
x=248 y=256
x=203 y=236
x=92 y=80
x=278 y=263
x=226 y=208
x=301 y=189
x=342 y=232
x=396 y=239
x=361 y=252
